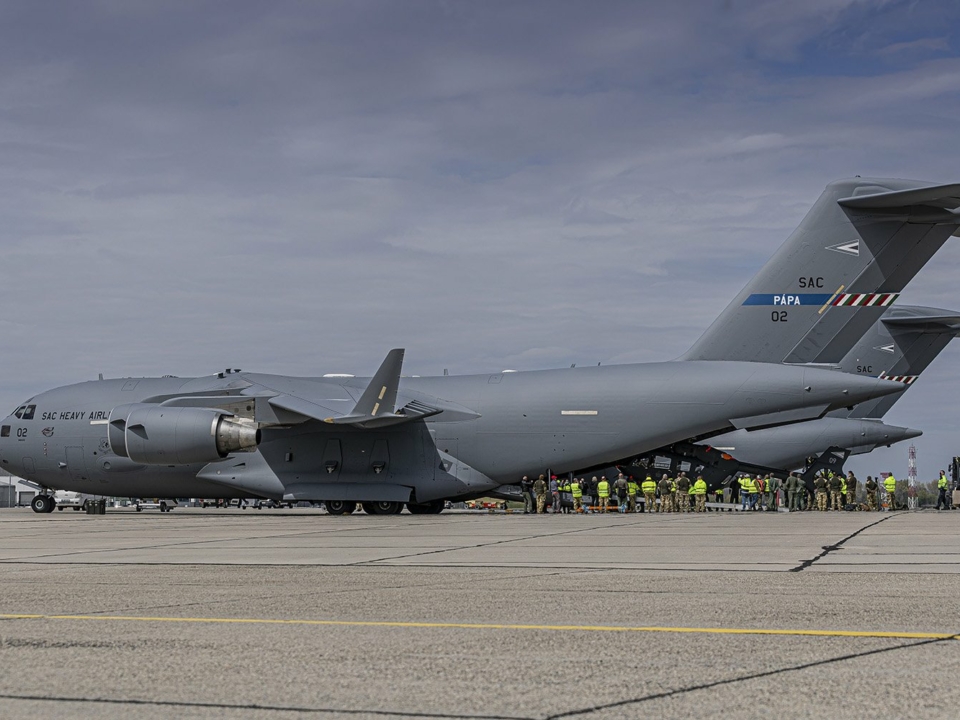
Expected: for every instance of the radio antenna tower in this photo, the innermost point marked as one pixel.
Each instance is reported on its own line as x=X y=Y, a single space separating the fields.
x=912 y=478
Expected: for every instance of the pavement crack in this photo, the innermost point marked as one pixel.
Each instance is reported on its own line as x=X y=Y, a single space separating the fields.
x=255 y=706
x=827 y=549
x=744 y=678
x=475 y=546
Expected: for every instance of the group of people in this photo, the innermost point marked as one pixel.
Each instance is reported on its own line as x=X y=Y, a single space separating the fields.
x=831 y=491
x=624 y=494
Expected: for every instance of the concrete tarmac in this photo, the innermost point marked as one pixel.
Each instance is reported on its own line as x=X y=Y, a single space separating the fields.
x=294 y=613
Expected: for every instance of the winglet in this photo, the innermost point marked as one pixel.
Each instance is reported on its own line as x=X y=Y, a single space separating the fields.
x=380 y=397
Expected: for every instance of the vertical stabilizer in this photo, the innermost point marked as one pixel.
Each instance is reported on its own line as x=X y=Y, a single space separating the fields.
x=899 y=347
x=839 y=271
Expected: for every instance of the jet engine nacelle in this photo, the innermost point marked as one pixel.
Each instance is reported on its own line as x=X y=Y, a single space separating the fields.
x=158 y=435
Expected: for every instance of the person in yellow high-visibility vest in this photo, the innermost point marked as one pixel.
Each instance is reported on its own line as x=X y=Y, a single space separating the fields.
x=890 y=485
x=699 y=491
x=649 y=489
x=576 y=489
x=603 y=493
x=942 y=491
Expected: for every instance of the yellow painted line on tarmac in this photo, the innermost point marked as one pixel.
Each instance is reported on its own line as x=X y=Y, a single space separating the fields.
x=496 y=626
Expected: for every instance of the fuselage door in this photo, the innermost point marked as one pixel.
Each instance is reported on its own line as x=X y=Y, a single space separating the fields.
x=75 y=462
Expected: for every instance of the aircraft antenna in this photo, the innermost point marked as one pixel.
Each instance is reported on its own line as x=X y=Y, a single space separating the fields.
x=912 y=477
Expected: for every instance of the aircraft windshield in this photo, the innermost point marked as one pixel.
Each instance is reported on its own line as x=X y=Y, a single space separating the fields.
x=25 y=412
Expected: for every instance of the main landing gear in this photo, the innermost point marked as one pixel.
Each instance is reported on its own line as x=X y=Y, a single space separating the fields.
x=430 y=508
x=382 y=507
x=340 y=507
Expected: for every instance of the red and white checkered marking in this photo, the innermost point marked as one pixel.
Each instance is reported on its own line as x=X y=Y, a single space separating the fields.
x=905 y=379
x=865 y=299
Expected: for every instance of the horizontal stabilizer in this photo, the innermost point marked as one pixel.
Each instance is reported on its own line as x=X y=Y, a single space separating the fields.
x=787 y=417
x=925 y=323
x=933 y=204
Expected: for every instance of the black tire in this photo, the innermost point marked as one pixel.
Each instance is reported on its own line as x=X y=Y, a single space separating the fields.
x=369 y=508
x=431 y=508
x=139 y=509
x=60 y=509
x=339 y=507
x=41 y=504
x=384 y=507
x=76 y=509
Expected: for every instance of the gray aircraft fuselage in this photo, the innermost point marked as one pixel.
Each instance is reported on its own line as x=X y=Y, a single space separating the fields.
x=490 y=429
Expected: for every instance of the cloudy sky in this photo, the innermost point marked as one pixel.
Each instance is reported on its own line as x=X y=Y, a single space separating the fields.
x=297 y=187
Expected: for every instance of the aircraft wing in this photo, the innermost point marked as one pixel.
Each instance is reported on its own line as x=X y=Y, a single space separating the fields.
x=381 y=404
x=413 y=410
x=279 y=402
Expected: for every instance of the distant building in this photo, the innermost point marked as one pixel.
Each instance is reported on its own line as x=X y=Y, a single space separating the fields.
x=15 y=492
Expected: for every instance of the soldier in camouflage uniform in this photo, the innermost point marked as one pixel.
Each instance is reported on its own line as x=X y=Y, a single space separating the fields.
x=871 y=486
x=836 y=495
x=540 y=491
x=820 y=488
x=852 y=483
x=666 y=494
x=683 y=493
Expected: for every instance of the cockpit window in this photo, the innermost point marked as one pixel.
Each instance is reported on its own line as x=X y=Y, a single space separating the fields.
x=25 y=412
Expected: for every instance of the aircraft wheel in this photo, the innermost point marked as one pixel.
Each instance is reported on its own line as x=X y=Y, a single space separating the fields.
x=369 y=508
x=430 y=508
x=42 y=504
x=339 y=507
x=384 y=507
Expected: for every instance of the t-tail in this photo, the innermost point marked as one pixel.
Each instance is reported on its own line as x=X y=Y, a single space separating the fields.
x=839 y=271
x=899 y=347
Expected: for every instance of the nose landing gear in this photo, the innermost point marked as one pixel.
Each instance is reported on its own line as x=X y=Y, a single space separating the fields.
x=43 y=504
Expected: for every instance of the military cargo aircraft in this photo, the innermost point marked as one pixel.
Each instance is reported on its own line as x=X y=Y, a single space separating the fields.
x=390 y=440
